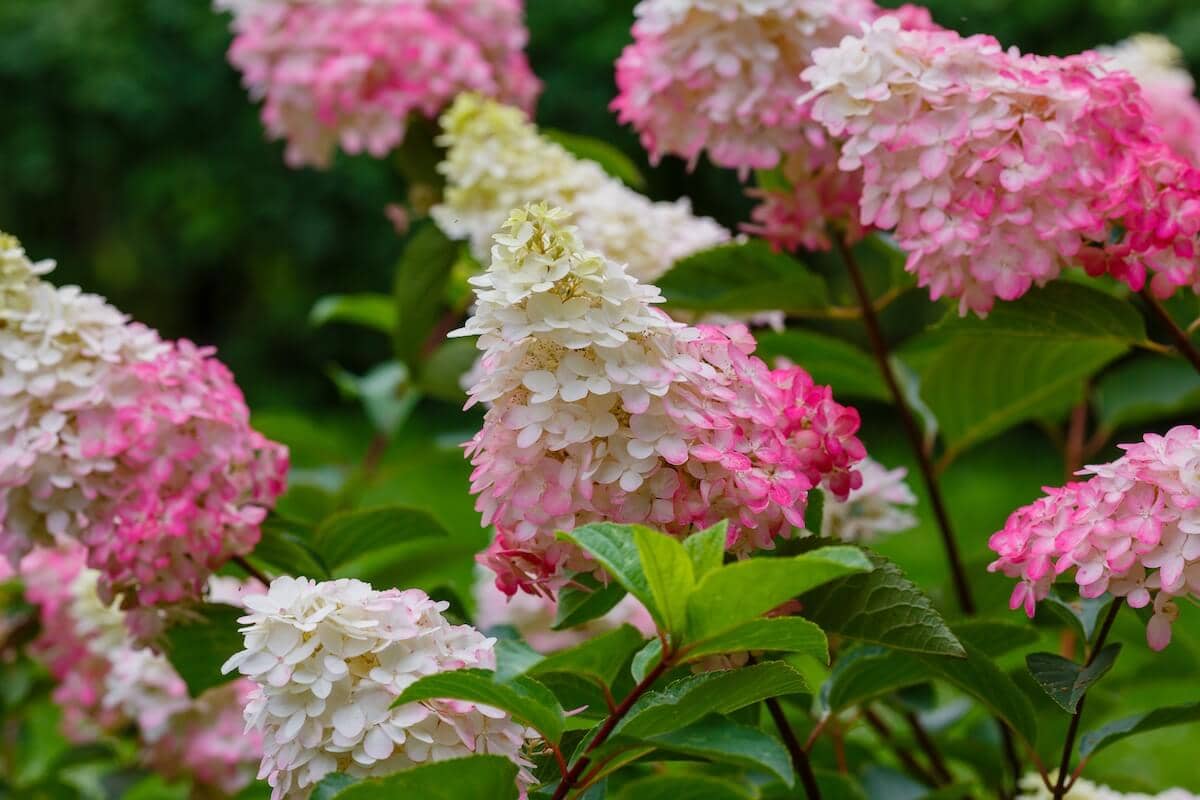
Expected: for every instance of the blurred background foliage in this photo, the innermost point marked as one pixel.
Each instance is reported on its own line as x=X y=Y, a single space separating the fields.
x=130 y=153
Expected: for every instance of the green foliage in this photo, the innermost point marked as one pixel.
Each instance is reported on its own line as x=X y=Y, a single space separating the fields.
x=842 y=365
x=476 y=776
x=421 y=278
x=743 y=276
x=527 y=700
x=373 y=311
x=586 y=600
x=1094 y=741
x=1065 y=681
x=614 y=162
x=719 y=739
x=684 y=787
x=201 y=643
x=346 y=535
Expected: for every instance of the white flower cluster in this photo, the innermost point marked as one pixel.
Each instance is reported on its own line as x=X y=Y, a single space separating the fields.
x=497 y=161
x=872 y=510
x=58 y=348
x=329 y=658
x=1033 y=789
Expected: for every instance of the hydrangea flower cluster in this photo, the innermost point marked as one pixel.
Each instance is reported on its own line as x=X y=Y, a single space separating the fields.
x=533 y=616
x=875 y=509
x=1132 y=530
x=497 y=161
x=139 y=449
x=105 y=681
x=351 y=72
x=1032 y=788
x=1167 y=87
x=808 y=196
x=328 y=660
x=995 y=169
x=603 y=408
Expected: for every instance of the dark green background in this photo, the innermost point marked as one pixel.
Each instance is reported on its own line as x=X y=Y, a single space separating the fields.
x=129 y=152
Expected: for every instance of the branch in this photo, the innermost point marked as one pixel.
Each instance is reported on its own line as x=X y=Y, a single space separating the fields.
x=800 y=760
x=251 y=570
x=1183 y=343
x=961 y=588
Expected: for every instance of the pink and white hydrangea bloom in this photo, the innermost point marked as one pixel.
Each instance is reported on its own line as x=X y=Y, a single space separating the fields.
x=1132 y=530
x=350 y=73
x=138 y=448
x=329 y=658
x=877 y=508
x=533 y=616
x=1168 y=88
x=105 y=681
x=497 y=161
x=603 y=408
x=995 y=169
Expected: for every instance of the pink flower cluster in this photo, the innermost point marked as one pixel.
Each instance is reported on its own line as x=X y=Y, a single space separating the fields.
x=1167 y=86
x=351 y=72
x=605 y=409
x=106 y=682
x=1132 y=530
x=139 y=449
x=995 y=169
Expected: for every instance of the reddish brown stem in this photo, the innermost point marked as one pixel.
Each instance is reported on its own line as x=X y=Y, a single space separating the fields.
x=251 y=570
x=800 y=760
x=1179 y=338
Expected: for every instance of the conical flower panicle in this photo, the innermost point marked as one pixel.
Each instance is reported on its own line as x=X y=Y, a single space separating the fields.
x=605 y=409
x=496 y=160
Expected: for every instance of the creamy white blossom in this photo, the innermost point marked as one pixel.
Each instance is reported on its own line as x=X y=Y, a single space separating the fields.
x=1033 y=789
x=875 y=509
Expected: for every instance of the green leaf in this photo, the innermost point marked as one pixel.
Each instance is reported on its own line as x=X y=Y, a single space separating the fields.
x=610 y=159
x=743 y=276
x=720 y=739
x=978 y=676
x=781 y=634
x=491 y=777
x=421 y=278
x=374 y=311
x=882 y=607
x=707 y=548
x=867 y=672
x=1030 y=354
x=527 y=700
x=285 y=547
x=585 y=599
x=385 y=392
x=200 y=643
x=683 y=787
x=514 y=658
x=668 y=570
x=830 y=361
x=994 y=637
x=1082 y=614
x=599 y=659
x=613 y=546
x=814 y=512
x=1093 y=742
x=349 y=535
x=1065 y=681
x=331 y=785
x=689 y=699
x=1146 y=388
x=441 y=375
x=747 y=589
x=645 y=659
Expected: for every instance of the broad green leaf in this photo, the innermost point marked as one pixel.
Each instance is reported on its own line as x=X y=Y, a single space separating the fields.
x=781 y=634
x=374 y=311
x=585 y=599
x=613 y=546
x=1145 y=388
x=385 y=392
x=707 y=548
x=331 y=785
x=684 y=787
x=814 y=512
x=882 y=607
x=830 y=361
x=527 y=700
x=513 y=658
x=747 y=589
x=668 y=570
x=349 y=535
x=1065 y=681
x=743 y=276
x=835 y=786
x=646 y=659
x=1082 y=614
x=980 y=677
x=989 y=375
x=1094 y=741
x=867 y=672
x=421 y=278
x=599 y=659
x=200 y=643
x=994 y=637
x=610 y=159
x=284 y=548
x=491 y=777
x=695 y=697
x=720 y=739
x=442 y=372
